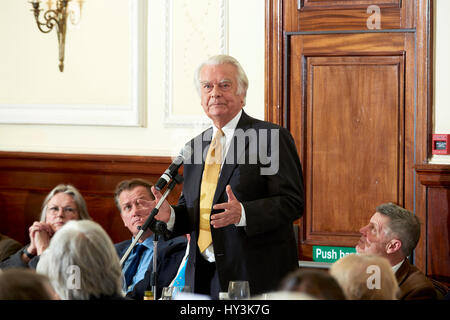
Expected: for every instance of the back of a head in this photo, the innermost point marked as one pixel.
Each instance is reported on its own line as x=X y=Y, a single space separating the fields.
x=81 y=262
x=317 y=283
x=403 y=225
x=365 y=277
x=24 y=284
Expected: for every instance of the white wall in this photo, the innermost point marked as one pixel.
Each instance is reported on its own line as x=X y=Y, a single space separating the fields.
x=441 y=107
x=97 y=73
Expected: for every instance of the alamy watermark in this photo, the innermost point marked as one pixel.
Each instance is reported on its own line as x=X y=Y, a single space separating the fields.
x=374 y=21
x=73 y=281
x=249 y=146
x=374 y=280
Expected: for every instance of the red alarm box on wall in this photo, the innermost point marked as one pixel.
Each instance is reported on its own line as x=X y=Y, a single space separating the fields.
x=441 y=143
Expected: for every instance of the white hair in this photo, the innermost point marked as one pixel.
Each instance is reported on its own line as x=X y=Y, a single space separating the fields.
x=241 y=77
x=71 y=191
x=83 y=247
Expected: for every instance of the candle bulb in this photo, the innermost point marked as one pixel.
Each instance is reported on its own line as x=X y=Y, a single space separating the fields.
x=35 y=4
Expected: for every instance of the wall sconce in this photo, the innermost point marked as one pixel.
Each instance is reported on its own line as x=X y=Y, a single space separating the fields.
x=57 y=16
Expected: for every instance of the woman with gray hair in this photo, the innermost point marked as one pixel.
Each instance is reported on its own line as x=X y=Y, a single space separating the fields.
x=62 y=204
x=82 y=264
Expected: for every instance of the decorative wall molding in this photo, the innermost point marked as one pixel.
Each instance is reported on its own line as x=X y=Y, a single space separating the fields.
x=434 y=175
x=352 y=4
x=171 y=118
x=131 y=114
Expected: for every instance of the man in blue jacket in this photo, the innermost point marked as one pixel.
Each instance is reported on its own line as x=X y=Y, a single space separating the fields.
x=138 y=267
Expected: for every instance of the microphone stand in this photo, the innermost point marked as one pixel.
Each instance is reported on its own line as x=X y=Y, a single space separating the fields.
x=158 y=228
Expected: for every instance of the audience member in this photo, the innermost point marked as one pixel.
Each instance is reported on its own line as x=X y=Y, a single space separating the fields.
x=393 y=233
x=316 y=283
x=8 y=246
x=25 y=284
x=82 y=264
x=62 y=204
x=365 y=277
x=138 y=267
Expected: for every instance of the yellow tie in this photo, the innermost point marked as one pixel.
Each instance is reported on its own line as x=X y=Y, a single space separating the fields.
x=211 y=173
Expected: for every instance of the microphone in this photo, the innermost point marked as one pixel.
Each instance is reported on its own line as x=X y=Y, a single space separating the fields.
x=172 y=170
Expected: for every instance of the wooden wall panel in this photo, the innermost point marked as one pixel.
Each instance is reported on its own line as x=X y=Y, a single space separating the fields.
x=438 y=225
x=318 y=15
x=299 y=32
x=26 y=178
x=436 y=220
x=341 y=123
x=332 y=4
x=347 y=113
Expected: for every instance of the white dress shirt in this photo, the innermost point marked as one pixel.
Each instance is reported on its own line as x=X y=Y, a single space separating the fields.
x=228 y=131
x=397 y=266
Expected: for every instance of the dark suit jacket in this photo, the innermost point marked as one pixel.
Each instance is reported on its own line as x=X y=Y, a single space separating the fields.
x=8 y=246
x=265 y=250
x=15 y=261
x=414 y=285
x=170 y=254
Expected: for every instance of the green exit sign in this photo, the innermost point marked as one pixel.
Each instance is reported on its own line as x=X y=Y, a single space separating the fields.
x=330 y=254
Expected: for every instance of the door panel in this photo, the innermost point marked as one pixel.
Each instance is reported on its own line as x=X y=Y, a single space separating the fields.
x=346 y=111
x=356 y=96
x=326 y=15
x=341 y=122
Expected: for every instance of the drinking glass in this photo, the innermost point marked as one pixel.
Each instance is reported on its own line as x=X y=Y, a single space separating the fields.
x=238 y=290
x=167 y=293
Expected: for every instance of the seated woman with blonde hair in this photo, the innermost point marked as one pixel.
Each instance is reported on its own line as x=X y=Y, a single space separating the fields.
x=365 y=277
x=62 y=204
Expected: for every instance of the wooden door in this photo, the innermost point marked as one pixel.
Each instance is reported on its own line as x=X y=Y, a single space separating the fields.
x=347 y=89
x=348 y=114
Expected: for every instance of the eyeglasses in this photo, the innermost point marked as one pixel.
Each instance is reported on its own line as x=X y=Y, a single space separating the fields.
x=54 y=210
